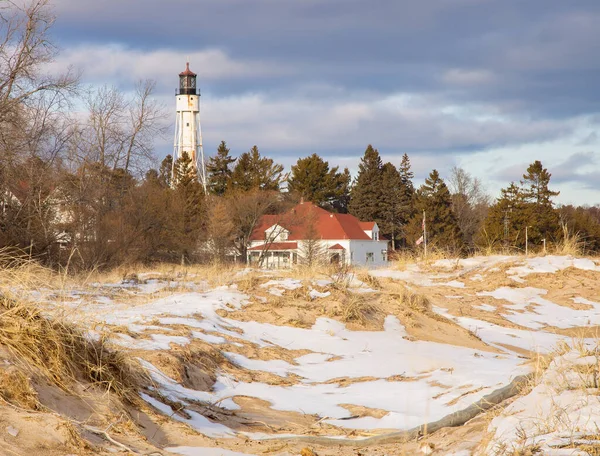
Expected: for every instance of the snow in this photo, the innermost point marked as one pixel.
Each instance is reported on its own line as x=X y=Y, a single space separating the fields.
x=545 y=312
x=197 y=421
x=208 y=338
x=204 y=451
x=563 y=408
x=278 y=287
x=486 y=307
x=314 y=294
x=551 y=264
x=341 y=353
x=471 y=263
x=497 y=336
x=158 y=342
x=362 y=368
x=417 y=277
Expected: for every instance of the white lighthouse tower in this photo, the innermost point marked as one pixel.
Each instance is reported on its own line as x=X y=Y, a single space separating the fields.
x=188 y=135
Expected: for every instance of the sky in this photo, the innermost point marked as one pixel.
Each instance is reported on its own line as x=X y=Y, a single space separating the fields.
x=486 y=85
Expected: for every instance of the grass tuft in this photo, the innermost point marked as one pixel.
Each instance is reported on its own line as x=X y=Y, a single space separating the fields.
x=63 y=353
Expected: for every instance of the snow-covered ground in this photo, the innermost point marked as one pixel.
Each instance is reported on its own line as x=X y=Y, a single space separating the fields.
x=409 y=382
x=560 y=414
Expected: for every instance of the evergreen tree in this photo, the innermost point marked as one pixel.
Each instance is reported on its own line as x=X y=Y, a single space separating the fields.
x=506 y=219
x=434 y=198
x=406 y=176
x=343 y=189
x=165 y=171
x=190 y=196
x=252 y=171
x=392 y=211
x=219 y=170
x=407 y=195
x=312 y=180
x=541 y=215
x=366 y=194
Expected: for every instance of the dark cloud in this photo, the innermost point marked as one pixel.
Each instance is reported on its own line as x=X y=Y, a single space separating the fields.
x=538 y=56
x=438 y=79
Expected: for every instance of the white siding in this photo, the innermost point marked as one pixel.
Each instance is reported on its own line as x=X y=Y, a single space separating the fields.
x=368 y=253
x=355 y=252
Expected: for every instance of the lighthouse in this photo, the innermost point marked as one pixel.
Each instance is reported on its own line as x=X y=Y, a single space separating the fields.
x=188 y=135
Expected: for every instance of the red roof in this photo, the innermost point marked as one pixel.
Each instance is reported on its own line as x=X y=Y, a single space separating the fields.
x=277 y=246
x=187 y=71
x=307 y=221
x=336 y=247
x=367 y=225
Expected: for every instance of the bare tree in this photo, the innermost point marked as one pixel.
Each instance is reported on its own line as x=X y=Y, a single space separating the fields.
x=247 y=208
x=24 y=50
x=220 y=229
x=145 y=118
x=120 y=130
x=312 y=250
x=34 y=127
x=470 y=202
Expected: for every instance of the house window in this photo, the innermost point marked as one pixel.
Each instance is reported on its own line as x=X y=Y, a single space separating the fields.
x=375 y=235
x=283 y=236
x=370 y=257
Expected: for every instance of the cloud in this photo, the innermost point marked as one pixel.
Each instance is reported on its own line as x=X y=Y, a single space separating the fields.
x=580 y=168
x=394 y=123
x=459 y=76
x=468 y=81
x=110 y=62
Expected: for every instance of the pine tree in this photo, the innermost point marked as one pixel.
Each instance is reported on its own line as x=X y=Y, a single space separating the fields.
x=392 y=211
x=219 y=170
x=252 y=171
x=343 y=189
x=407 y=195
x=190 y=196
x=165 y=171
x=312 y=180
x=506 y=219
x=434 y=198
x=365 y=197
x=406 y=176
x=542 y=217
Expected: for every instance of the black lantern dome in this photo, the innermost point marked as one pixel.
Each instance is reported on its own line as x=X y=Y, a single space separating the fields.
x=187 y=81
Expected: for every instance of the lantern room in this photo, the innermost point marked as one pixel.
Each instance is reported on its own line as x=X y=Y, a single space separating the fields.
x=187 y=81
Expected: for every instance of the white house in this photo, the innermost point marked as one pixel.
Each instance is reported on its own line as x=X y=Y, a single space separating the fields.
x=308 y=231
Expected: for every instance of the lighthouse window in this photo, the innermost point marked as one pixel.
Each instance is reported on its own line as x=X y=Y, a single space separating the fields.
x=187 y=124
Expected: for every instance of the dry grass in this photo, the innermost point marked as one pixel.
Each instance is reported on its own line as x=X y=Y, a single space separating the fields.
x=16 y=389
x=62 y=353
x=404 y=298
x=355 y=308
x=21 y=271
x=571 y=243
